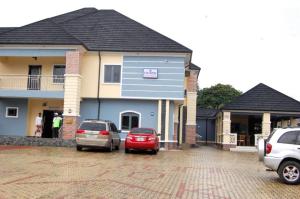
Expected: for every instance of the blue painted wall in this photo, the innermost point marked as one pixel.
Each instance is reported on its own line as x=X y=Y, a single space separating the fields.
x=168 y=85
x=13 y=126
x=110 y=110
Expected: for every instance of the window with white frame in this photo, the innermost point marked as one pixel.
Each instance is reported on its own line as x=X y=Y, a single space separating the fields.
x=129 y=120
x=112 y=73
x=12 y=112
x=58 y=73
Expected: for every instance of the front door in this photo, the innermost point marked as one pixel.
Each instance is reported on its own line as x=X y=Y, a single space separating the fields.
x=48 y=116
x=34 y=77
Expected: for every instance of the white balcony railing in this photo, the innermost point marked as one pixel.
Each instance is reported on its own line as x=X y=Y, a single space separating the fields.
x=32 y=82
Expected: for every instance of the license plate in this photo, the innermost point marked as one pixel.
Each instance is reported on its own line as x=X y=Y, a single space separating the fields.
x=140 y=139
x=91 y=136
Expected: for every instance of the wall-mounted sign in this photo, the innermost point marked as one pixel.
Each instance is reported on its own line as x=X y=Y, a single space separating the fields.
x=150 y=73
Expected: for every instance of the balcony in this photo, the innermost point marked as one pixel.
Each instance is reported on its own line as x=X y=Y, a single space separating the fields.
x=31 y=86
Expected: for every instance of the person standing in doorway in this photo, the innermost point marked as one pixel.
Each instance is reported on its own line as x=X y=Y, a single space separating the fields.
x=56 y=125
x=38 y=125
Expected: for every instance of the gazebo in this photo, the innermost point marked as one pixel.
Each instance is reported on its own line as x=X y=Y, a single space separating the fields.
x=255 y=114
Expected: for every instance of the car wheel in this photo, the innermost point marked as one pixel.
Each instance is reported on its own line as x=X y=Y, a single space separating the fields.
x=110 y=149
x=154 y=151
x=126 y=150
x=79 y=148
x=289 y=172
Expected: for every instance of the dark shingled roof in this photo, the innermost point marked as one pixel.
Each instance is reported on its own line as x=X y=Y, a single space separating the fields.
x=5 y=29
x=206 y=113
x=105 y=30
x=194 y=67
x=264 y=98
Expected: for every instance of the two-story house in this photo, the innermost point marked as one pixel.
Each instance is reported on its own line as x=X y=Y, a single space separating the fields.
x=92 y=64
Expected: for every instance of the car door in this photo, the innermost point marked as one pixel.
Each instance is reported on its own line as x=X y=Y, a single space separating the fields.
x=298 y=146
x=115 y=135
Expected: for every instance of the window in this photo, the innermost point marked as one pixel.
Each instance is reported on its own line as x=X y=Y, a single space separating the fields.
x=58 y=74
x=113 y=127
x=129 y=120
x=12 y=112
x=112 y=73
x=289 y=137
x=142 y=131
x=93 y=126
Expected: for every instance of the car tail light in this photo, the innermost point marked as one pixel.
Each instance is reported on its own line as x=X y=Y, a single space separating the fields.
x=104 y=132
x=151 y=138
x=268 y=148
x=129 y=137
x=80 y=131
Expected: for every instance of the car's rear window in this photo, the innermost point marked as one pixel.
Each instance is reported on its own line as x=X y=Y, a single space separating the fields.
x=90 y=126
x=142 y=131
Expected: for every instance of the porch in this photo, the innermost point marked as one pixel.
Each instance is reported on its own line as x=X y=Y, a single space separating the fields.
x=37 y=77
x=254 y=115
x=243 y=129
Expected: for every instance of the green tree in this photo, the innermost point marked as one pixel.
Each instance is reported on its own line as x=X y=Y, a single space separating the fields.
x=216 y=96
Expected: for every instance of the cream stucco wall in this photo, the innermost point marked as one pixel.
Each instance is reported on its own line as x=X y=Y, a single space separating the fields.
x=36 y=106
x=89 y=75
x=20 y=65
x=191 y=104
x=89 y=71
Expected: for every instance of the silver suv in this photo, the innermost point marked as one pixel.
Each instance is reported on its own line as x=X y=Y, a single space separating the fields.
x=281 y=153
x=98 y=134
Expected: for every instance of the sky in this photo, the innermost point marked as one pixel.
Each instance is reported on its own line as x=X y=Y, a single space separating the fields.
x=237 y=42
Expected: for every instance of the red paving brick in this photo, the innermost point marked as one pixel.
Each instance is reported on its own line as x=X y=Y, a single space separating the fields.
x=50 y=172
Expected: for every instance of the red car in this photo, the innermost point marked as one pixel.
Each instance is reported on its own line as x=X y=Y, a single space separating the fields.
x=142 y=139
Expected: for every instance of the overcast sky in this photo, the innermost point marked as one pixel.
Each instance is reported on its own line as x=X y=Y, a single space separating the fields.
x=237 y=42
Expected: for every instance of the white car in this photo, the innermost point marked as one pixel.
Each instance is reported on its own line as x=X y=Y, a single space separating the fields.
x=281 y=153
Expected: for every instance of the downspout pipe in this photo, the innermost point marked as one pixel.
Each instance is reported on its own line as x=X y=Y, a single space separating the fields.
x=98 y=88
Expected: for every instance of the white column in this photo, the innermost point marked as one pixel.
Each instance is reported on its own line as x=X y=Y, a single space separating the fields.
x=167 y=126
x=180 y=124
x=159 y=117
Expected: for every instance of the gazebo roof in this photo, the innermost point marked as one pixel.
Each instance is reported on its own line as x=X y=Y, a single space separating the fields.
x=263 y=98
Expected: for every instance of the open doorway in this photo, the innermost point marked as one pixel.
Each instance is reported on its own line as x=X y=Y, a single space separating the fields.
x=48 y=116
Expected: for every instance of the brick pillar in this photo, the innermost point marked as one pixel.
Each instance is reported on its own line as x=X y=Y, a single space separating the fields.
x=72 y=94
x=191 y=102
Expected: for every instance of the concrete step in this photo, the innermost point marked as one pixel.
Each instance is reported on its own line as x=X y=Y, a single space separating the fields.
x=250 y=149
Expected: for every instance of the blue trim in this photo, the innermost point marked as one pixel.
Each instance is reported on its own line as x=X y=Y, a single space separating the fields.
x=34 y=52
x=31 y=93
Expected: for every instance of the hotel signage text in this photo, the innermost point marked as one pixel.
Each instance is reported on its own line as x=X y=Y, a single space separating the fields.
x=150 y=73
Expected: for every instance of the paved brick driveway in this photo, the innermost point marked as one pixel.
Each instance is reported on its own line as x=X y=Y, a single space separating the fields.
x=44 y=172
